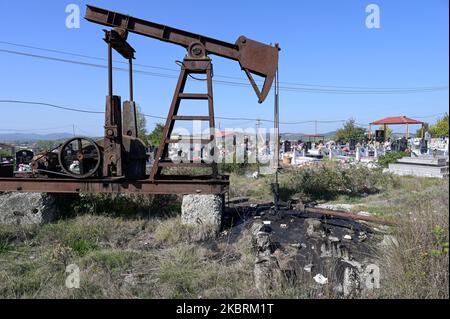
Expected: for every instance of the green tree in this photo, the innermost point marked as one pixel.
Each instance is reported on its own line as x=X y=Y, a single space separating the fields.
x=155 y=136
x=5 y=152
x=141 y=124
x=350 y=131
x=440 y=128
x=47 y=145
x=388 y=133
x=424 y=128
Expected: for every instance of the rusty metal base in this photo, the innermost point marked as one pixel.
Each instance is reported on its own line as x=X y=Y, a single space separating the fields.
x=189 y=185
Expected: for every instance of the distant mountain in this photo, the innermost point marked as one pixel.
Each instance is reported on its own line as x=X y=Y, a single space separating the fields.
x=9 y=137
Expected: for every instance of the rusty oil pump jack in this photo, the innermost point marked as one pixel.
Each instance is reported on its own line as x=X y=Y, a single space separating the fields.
x=116 y=163
x=253 y=57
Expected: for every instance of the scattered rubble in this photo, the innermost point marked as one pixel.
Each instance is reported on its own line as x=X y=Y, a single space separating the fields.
x=308 y=267
x=313 y=228
x=327 y=250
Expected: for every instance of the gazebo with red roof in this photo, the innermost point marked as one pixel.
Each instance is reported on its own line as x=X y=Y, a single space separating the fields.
x=396 y=120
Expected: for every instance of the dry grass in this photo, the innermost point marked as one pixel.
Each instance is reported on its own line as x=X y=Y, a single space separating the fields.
x=122 y=258
x=156 y=256
x=419 y=266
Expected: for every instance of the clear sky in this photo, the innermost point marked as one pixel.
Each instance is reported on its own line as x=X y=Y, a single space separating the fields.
x=323 y=43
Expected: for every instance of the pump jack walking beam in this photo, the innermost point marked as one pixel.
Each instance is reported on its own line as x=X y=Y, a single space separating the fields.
x=254 y=57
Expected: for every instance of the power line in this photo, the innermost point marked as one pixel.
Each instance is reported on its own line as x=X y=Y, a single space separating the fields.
x=242 y=119
x=240 y=84
x=85 y=56
x=322 y=86
x=84 y=63
x=51 y=105
x=73 y=109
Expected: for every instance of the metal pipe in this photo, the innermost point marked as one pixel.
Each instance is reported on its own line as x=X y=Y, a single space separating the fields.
x=110 y=80
x=277 y=142
x=344 y=214
x=133 y=105
x=131 y=81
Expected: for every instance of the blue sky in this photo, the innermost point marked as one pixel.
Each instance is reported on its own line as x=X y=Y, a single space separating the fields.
x=322 y=43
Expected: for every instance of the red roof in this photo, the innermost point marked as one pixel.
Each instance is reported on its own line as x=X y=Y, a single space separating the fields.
x=396 y=120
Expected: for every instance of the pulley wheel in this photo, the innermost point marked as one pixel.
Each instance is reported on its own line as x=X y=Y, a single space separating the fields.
x=80 y=157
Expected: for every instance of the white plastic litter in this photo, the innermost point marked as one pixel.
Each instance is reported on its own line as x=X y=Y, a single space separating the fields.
x=320 y=279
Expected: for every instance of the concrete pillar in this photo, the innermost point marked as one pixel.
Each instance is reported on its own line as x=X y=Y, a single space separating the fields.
x=358 y=155
x=27 y=208
x=330 y=154
x=203 y=210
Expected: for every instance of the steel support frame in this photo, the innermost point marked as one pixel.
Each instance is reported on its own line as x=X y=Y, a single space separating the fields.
x=59 y=185
x=188 y=66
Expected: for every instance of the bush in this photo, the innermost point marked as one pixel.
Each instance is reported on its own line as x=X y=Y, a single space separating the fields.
x=238 y=168
x=390 y=157
x=328 y=180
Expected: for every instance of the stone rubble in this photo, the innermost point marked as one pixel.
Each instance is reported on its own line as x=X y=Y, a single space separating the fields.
x=279 y=263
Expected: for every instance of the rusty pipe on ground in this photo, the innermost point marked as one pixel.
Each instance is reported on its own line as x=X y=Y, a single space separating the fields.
x=344 y=214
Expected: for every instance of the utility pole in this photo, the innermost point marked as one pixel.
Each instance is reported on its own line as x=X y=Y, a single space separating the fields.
x=276 y=186
x=258 y=123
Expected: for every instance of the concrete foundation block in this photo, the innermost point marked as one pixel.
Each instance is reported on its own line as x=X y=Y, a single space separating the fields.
x=27 y=208
x=202 y=210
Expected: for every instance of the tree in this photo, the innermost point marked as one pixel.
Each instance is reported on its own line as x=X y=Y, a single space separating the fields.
x=424 y=128
x=5 y=152
x=47 y=145
x=141 y=124
x=155 y=136
x=440 y=128
x=388 y=132
x=350 y=131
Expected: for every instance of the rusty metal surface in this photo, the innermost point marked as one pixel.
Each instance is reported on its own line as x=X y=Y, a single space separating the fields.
x=59 y=185
x=344 y=214
x=188 y=66
x=118 y=40
x=112 y=145
x=86 y=154
x=129 y=125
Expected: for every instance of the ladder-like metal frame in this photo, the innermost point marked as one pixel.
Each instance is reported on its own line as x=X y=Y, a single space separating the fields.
x=189 y=66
